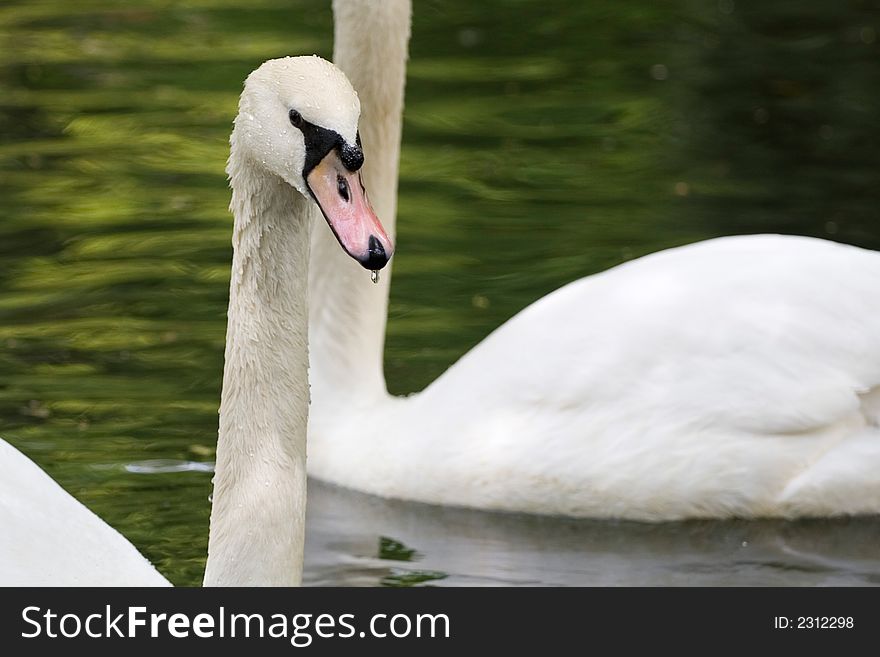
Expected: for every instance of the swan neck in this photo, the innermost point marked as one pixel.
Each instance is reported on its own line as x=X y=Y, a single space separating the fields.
x=349 y=311
x=370 y=45
x=257 y=516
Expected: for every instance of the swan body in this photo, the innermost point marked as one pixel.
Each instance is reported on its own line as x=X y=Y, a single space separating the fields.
x=733 y=377
x=293 y=151
x=49 y=538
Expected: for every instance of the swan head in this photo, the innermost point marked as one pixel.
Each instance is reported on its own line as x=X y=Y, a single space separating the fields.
x=297 y=121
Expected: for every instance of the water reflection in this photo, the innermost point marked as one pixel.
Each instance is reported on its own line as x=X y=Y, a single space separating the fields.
x=349 y=534
x=544 y=141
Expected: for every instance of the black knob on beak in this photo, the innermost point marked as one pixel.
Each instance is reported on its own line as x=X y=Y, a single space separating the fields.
x=375 y=258
x=352 y=156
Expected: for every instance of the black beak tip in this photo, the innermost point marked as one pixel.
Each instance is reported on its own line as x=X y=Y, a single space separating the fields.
x=375 y=258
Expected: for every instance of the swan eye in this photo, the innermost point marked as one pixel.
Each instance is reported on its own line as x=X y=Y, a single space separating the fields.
x=296 y=119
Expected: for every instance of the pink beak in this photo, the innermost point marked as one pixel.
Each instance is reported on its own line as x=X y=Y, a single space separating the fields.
x=343 y=200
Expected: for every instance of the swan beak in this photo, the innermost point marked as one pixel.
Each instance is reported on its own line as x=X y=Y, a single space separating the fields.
x=343 y=200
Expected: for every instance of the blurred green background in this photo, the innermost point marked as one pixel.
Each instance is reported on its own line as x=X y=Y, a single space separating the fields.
x=543 y=141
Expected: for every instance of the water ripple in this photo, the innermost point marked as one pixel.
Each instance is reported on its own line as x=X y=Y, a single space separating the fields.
x=162 y=466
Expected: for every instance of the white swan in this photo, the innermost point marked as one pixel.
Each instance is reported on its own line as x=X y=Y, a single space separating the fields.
x=733 y=377
x=294 y=140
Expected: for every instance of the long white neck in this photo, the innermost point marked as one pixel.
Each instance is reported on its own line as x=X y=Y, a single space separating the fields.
x=349 y=312
x=258 y=513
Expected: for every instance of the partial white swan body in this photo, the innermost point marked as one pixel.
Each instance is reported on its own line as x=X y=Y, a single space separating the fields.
x=49 y=538
x=733 y=377
x=294 y=143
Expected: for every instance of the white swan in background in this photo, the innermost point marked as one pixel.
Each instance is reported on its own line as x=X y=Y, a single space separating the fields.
x=294 y=140
x=733 y=377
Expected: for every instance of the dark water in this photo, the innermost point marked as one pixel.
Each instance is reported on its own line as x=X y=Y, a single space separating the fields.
x=544 y=141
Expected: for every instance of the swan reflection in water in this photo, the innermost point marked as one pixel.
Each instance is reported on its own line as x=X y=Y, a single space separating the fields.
x=360 y=540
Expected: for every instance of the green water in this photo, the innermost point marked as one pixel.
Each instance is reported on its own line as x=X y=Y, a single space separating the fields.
x=543 y=141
